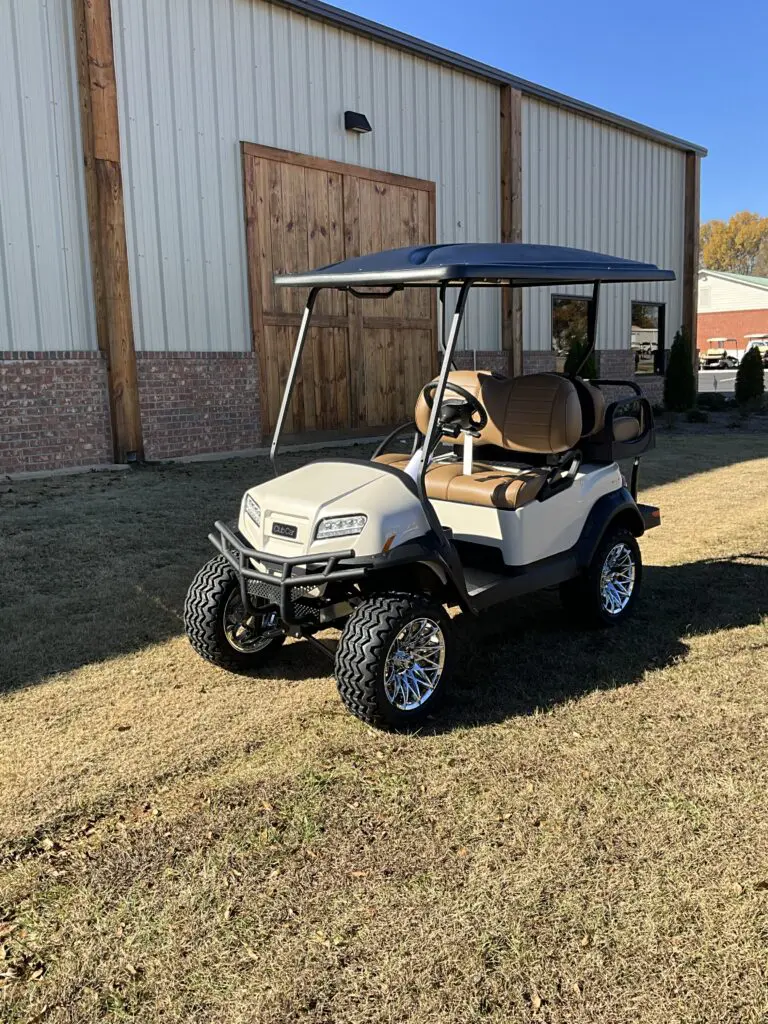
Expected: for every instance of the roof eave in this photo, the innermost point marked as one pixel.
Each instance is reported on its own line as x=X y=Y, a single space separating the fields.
x=744 y=279
x=429 y=51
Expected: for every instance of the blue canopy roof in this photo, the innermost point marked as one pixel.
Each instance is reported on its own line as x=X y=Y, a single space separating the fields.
x=480 y=263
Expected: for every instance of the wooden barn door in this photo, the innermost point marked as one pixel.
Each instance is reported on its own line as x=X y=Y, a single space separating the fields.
x=365 y=360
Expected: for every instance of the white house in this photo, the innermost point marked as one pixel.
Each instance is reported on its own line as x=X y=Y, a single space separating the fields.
x=733 y=310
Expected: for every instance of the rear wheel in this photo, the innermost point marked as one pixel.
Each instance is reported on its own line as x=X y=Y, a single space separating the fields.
x=393 y=660
x=606 y=592
x=217 y=624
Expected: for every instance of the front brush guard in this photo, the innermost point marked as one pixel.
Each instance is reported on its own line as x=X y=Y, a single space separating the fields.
x=304 y=571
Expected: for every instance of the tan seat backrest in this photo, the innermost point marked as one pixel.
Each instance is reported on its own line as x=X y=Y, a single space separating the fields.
x=596 y=398
x=538 y=413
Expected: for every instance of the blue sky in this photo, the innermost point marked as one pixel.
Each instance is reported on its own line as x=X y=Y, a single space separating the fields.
x=696 y=70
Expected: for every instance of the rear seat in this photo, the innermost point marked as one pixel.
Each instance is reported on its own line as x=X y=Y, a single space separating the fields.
x=593 y=408
x=537 y=414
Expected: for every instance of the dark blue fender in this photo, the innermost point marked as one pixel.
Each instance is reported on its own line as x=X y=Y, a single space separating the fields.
x=617 y=508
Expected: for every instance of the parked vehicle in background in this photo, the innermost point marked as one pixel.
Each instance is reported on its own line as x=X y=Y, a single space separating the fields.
x=761 y=344
x=718 y=359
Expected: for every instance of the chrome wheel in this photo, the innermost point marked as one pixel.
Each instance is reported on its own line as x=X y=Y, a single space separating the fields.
x=617 y=579
x=248 y=633
x=414 y=664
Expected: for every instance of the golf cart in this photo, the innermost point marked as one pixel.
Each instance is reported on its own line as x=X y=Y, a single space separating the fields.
x=718 y=359
x=760 y=342
x=507 y=485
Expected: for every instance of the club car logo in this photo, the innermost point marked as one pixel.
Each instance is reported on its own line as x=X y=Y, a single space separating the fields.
x=284 y=530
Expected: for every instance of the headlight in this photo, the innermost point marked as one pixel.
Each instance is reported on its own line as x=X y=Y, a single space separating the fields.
x=340 y=526
x=252 y=510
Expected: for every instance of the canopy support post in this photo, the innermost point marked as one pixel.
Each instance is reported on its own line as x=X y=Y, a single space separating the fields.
x=441 y=319
x=592 y=310
x=453 y=334
x=441 y=322
x=289 y=384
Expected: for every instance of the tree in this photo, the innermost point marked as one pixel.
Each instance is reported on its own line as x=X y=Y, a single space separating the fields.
x=645 y=316
x=750 y=383
x=569 y=323
x=705 y=235
x=679 y=381
x=574 y=358
x=761 y=263
x=738 y=245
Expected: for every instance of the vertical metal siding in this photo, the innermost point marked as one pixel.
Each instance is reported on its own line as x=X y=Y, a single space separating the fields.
x=195 y=77
x=592 y=186
x=46 y=300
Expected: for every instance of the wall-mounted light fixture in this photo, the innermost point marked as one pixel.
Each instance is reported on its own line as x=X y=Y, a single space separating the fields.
x=355 y=122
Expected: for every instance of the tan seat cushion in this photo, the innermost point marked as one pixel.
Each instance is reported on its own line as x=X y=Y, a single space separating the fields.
x=492 y=488
x=439 y=474
x=626 y=428
x=439 y=479
x=495 y=488
x=393 y=459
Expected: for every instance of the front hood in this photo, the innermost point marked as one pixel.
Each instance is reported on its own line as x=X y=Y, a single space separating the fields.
x=311 y=488
x=299 y=500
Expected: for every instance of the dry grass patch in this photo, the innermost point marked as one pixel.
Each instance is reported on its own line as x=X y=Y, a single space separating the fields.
x=582 y=836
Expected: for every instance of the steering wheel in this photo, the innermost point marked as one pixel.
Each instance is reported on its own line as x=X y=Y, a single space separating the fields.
x=469 y=415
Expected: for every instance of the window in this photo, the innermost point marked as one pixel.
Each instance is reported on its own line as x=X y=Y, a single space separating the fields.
x=648 y=337
x=570 y=317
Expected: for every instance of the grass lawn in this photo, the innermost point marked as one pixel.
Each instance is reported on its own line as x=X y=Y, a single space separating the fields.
x=581 y=836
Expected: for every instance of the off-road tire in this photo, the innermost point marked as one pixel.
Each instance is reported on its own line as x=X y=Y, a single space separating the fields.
x=581 y=596
x=204 y=623
x=361 y=655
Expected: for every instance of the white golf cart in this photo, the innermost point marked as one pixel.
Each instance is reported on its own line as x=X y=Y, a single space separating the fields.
x=507 y=486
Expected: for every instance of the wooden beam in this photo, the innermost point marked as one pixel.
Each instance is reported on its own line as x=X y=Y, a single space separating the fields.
x=691 y=247
x=511 y=111
x=106 y=221
x=318 y=163
x=89 y=167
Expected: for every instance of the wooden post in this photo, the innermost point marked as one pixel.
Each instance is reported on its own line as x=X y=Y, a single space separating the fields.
x=106 y=221
x=691 y=248
x=511 y=109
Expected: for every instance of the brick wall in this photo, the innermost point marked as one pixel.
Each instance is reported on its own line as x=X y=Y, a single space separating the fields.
x=498 y=361
x=616 y=362
x=539 y=362
x=652 y=387
x=54 y=411
x=736 y=324
x=619 y=363
x=54 y=408
x=198 y=402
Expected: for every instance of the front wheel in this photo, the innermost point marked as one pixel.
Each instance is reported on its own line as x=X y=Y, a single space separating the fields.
x=606 y=592
x=217 y=625
x=393 y=660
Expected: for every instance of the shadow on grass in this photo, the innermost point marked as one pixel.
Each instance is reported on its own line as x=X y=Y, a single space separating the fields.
x=534 y=658
x=95 y=568
x=517 y=658
x=679 y=453
x=528 y=655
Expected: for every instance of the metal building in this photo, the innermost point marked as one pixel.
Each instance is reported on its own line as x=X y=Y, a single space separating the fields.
x=161 y=160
